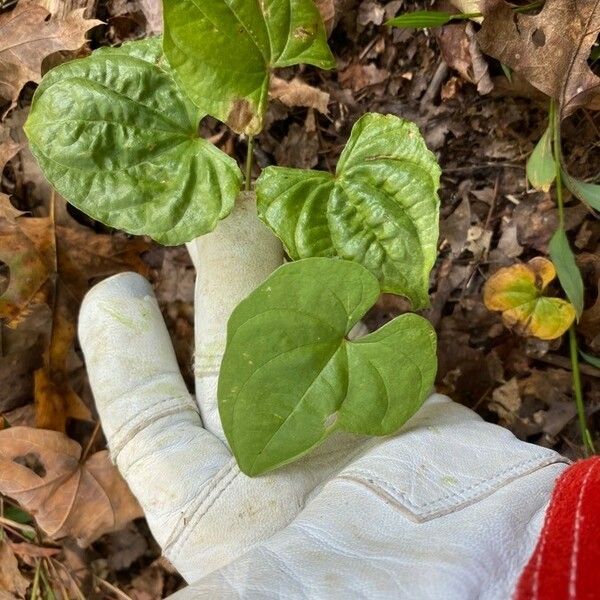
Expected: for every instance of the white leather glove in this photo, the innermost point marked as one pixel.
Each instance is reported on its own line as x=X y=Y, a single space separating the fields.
x=450 y=507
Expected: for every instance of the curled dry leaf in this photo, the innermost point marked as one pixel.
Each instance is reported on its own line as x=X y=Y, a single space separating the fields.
x=332 y=11
x=8 y=146
x=42 y=470
x=297 y=93
x=53 y=261
x=12 y=583
x=518 y=292
x=460 y=50
x=27 y=37
x=544 y=50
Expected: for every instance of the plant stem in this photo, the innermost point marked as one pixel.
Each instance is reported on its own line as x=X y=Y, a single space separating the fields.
x=588 y=445
x=36 y=581
x=555 y=124
x=249 y=159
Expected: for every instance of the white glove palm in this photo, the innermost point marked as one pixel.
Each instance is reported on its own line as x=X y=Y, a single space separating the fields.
x=448 y=508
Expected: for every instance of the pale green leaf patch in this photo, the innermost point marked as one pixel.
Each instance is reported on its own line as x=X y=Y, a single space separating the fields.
x=380 y=209
x=541 y=168
x=223 y=51
x=290 y=376
x=117 y=138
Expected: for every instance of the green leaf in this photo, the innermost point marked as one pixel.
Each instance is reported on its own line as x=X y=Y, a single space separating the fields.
x=422 y=19
x=568 y=272
x=290 y=377
x=223 y=51
x=541 y=168
x=507 y=72
x=17 y=515
x=592 y=360
x=381 y=209
x=118 y=139
x=586 y=192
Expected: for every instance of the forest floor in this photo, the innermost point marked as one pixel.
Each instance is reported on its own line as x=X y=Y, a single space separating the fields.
x=490 y=217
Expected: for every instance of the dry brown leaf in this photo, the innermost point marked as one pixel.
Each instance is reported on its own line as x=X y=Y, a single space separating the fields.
x=8 y=146
x=42 y=471
x=357 y=76
x=53 y=261
x=547 y=52
x=27 y=37
x=12 y=583
x=332 y=11
x=297 y=93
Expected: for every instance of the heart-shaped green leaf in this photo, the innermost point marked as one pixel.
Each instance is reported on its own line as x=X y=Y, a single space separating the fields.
x=223 y=51
x=290 y=377
x=118 y=139
x=381 y=208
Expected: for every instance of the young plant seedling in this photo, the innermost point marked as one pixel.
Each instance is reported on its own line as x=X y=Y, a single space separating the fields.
x=116 y=134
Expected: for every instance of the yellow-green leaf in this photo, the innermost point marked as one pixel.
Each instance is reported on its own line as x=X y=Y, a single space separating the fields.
x=541 y=168
x=518 y=292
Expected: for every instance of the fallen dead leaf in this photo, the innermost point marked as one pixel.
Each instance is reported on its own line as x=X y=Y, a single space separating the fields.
x=332 y=11
x=52 y=260
x=12 y=583
x=297 y=93
x=8 y=146
x=544 y=50
x=27 y=37
x=358 y=76
x=43 y=472
x=460 y=50
x=370 y=12
x=506 y=401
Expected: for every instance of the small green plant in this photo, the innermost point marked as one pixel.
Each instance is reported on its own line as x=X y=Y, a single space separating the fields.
x=116 y=134
x=545 y=168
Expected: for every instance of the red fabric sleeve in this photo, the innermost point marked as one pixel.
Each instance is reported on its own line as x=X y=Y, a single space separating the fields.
x=565 y=564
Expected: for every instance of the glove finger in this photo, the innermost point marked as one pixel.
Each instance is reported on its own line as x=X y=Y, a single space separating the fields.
x=230 y=263
x=150 y=420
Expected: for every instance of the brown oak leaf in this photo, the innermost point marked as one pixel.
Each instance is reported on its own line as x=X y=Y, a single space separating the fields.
x=550 y=49
x=12 y=583
x=27 y=37
x=8 y=146
x=43 y=471
x=53 y=260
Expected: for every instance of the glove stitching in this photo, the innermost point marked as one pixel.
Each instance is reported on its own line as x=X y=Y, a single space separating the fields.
x=130 y=429
x=201 y=507
x=485 y=483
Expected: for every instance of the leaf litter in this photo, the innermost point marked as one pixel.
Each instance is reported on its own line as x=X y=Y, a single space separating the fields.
x=482 y=127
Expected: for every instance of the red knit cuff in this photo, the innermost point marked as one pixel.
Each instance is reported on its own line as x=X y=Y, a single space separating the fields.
x=566 y=561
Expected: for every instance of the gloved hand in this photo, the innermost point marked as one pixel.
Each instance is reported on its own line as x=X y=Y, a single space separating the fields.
x=450 y=507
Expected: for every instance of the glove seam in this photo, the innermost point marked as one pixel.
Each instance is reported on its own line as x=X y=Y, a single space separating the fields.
x=215 y=488
x=486 y=484
x=129 y=430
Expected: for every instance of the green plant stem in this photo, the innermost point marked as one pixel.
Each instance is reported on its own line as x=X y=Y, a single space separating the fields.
x=555 y=124
x=35 y=588
x=249 y=159
x=588 y=445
